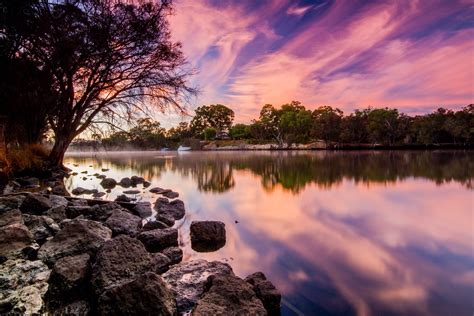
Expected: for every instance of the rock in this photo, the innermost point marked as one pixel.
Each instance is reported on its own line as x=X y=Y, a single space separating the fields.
x=35 y=204
x=137 y=180
x=77 y=237
x=188 y=280
x=78 y=202
x=125 y=182
x=84 y=178
x=158 y=190
x=145 y=295
x=84 y=172
x=131 y=192
x=160 y=263
x=103 y=211
x=228 y=295
x=121 y=222
x=57 y=213
x=28 y=182
x=120 y=260
x=266 y=292
x=101 y=176
x=59 y=189
x=57 y=200
x=146 y=184
x=98 y=195
x=171 y=194
x=11 y=217
x=30 y=252
x=10 y=202
x=74 y=173
x=75 y=211
x=41 y=227
x=175 y=254
x=165 y=218
x=174 y=209
x=23 y=286
x=108 y=183
x=68 y=280
x=143 y=209
x=104 y=169
x=81 y=307
x=207 y=235
x=154 y=225
x=123 y=198
x=13 y=238
x=81 y=191
x=159 y=239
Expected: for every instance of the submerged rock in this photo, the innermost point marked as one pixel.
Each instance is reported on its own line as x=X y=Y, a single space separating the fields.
x=123 y=198
x=125 y=182
x=145 y=295
x=108 y=183
x=159 y=190
x=266 y=292
x=159 y=239
x=188 y=280
x=131 y=192
x=228 y=295
x=78 y=236
x=207 y=236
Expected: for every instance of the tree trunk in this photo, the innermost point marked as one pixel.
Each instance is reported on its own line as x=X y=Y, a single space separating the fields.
x=56 y=155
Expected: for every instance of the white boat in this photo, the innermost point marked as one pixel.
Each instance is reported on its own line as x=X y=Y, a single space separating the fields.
x=183 y=148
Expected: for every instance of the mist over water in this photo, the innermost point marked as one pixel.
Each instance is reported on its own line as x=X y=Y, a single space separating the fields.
x=339 y=233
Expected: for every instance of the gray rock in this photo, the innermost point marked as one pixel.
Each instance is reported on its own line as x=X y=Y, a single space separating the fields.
x=41 y=227
x=108 y=183
x=120 y=260
x=121 y=222
x=23 y=286
x=145 y=295
x=188 y=280
x=174 y=253
x=207 y=236
x=174 y=209
x=57 y=213
x=125 y=182
x=266 y=292
x=154 y=225
x=57 y=200
x=78 y=236
x=160 y=263
x=35 y=204
x=143 y=209
x=159 y=239
x=229 y=295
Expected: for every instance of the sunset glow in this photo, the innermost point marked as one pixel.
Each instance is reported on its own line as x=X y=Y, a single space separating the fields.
x=413 y=55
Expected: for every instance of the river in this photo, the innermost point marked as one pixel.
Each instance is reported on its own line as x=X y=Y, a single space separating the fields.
x=338 y=233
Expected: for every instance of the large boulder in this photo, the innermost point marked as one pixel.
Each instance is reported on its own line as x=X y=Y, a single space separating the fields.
x=266 y=292
x=121 y=222
x=145 y=295
x=207 y=235
x=11 y=217
x=13 y=238
x=68 y=280
x=188 y=280
x=35 y=204
x=228 y=295
x=78 y=236
x=120 y=260
x=23 y=286
x=108 y=183
x=159 y=239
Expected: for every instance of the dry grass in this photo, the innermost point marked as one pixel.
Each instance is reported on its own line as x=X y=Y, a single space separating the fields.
x=27 y=157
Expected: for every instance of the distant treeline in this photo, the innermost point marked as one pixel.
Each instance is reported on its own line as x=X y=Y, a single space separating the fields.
x=293 y=123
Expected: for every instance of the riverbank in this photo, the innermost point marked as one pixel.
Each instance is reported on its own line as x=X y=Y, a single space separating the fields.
x=70 y=255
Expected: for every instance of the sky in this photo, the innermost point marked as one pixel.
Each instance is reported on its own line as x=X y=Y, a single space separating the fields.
x=409 y=54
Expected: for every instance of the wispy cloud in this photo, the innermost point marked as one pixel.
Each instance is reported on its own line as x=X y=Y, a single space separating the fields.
x=408 y=54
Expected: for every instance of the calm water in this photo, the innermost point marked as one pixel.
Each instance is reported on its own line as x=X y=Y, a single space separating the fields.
x=346 y=233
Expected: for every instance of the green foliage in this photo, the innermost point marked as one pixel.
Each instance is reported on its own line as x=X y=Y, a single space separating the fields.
x=215 y=116
x=209 y=133
x=327 y=123
x=240 y=131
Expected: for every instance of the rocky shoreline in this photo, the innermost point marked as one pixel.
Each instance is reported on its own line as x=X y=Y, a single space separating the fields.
x=62 y=255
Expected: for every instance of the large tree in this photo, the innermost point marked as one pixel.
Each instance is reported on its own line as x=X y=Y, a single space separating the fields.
x=215 y=116
x=106 y=58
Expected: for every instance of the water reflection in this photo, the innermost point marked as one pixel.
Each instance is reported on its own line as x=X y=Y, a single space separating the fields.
x=339 y=233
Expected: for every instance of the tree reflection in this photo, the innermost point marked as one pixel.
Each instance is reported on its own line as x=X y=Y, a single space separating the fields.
x=293 y=171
